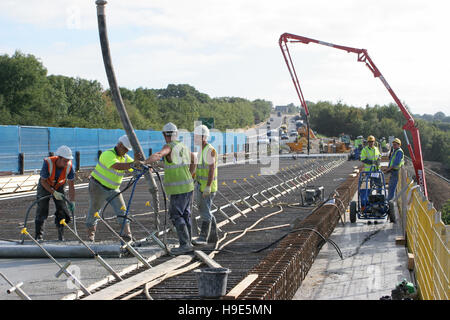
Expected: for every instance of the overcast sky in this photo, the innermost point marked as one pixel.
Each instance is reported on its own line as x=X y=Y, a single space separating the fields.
x=230 y=47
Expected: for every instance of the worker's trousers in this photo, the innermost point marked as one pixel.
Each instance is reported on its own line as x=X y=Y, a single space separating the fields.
x=43 y=206
x=98 y=195
x=180 y=209
x=204 y=204
x=392 y=184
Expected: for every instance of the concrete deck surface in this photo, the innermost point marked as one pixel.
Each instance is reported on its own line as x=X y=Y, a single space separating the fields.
x=372 y=263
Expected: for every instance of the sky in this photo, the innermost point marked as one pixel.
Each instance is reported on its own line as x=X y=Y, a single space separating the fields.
x=230 y=48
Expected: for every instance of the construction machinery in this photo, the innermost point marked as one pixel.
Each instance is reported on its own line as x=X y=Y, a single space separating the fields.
x=363 y=56
x=295 y=147
x=372 y=201
x=303 y=132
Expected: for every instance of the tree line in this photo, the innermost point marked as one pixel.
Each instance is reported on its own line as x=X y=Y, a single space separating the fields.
x=28 y=96
x=382 y=121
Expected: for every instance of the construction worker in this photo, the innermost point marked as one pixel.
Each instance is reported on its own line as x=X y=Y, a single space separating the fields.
x=371 y=156
x=358 y=141
x=104 y=183
x=206 y=186
x=179 y=167
x=384 y=145
x=396 y=161
x=55 y=171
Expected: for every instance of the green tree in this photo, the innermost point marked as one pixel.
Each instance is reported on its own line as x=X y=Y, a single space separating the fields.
x=24 y=88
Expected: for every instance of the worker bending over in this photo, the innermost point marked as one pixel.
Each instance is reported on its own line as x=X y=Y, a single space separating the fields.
x=179 y=167
x=55 y=172
x=206 y=186
x=104 y=184
x=396 y=161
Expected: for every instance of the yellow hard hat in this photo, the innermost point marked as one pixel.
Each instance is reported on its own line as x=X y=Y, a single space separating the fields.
x=397 y=140
x=370 y=138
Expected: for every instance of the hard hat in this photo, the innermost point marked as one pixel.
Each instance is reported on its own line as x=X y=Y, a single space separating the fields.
x=202 y=131
x=370 y=138
x=170 y=128
x=359 y=137
x=65 y=152
x=397 y=140
x=125 y=141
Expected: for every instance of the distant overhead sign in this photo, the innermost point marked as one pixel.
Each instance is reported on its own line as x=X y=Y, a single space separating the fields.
x=209 y=122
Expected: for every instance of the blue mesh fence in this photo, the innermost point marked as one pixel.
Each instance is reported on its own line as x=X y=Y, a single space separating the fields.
x=87 y=143
x=36 y=143
x=9 y=150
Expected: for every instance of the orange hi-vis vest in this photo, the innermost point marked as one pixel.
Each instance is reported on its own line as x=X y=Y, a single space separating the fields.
x=52 y=181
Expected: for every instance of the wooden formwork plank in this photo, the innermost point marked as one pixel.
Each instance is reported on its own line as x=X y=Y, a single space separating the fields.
x=241 y=286
x=140 y=279
x=206 y=259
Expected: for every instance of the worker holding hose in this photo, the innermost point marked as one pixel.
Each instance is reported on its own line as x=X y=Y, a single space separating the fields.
x=179 y=167
x=104 y=184
x=55 y=171
x=206 y=186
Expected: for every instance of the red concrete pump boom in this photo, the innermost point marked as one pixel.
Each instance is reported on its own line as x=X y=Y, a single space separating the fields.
x=363 y=56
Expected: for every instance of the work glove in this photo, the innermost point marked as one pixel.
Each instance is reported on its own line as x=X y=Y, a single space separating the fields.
x=207 y=191
x=58 y=195
x=71 y=206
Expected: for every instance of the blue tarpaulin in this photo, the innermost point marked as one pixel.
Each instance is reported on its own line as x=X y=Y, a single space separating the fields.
x=37 y=142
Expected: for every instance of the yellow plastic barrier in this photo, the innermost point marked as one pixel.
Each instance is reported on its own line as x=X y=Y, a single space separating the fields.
x=427 y=238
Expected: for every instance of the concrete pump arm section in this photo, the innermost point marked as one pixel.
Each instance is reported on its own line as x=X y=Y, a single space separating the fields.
x=363 y=56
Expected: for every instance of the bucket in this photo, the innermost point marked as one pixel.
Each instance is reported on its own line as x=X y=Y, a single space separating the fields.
x=212 y=282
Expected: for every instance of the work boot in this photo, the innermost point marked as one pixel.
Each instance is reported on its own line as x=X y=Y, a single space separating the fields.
x=91 y=233
x=185 y=242
x=127 y=236
x=213 y=237
x=39 y=228
x=60 y=232
x=201 y=240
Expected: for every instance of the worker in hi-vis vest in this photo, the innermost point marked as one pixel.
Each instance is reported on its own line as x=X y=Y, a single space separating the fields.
x=371 y=156
x=205 y=186
x=104 y=183
x=179 y=167
x=55 y=171
x=396 y=161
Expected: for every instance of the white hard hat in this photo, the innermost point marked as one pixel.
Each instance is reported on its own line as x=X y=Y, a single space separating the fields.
x=170 y=127
x=202 y=131
x=125 y=141
x=65 y=152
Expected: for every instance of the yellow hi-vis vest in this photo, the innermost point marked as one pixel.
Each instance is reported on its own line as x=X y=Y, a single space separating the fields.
x=370 y=154
x=203 y=164
x=177 y=177
x=106 y=175
x=402 y=161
